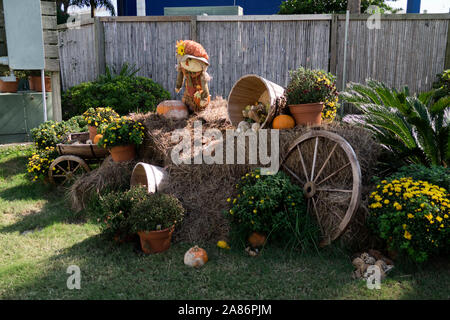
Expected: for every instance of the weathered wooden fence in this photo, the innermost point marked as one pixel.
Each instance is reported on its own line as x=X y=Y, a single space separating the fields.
x=405 y=50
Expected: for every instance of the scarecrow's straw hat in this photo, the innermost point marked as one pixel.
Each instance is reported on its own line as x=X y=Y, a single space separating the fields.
x=191 y=49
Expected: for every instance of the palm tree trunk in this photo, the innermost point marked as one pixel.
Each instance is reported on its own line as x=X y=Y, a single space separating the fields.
x=65 y=4
x=92 y=2
x=354 y=6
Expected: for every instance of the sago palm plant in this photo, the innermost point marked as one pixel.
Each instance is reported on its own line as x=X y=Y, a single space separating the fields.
x=414 y=128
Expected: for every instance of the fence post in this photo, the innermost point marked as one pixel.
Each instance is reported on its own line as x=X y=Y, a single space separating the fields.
x=56 y=96
x=194 y=28
x=99 y=46
x=333 y=44
x=447 y=51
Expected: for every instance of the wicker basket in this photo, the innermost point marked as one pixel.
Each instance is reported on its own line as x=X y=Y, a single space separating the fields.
x=246 y=91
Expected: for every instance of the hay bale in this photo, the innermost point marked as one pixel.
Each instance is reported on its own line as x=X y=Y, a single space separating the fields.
x=157 y=143
x=203 y=189
x=108 y=177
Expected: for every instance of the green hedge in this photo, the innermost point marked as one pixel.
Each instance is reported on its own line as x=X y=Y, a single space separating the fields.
x=123 y=93
x=436 y=175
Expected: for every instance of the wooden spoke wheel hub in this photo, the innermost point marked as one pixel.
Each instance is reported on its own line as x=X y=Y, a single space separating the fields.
x=309 y=189
x=65 y=169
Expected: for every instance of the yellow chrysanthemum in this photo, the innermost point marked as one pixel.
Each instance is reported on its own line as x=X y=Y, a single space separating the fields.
x=407 y=235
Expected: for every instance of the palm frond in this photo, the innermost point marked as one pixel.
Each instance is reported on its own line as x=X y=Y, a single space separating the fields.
x=411 y=127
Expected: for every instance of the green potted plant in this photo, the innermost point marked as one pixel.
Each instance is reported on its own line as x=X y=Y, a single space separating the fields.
x=412 y=216
x=122 y=136
x=153 y=217
x=34 y=78
x=98 y=117
x=270 y=206
x=111 y=211
x=307 y=93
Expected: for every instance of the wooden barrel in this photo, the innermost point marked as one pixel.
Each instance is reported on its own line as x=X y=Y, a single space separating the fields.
x=153 y=177
x=246 y=91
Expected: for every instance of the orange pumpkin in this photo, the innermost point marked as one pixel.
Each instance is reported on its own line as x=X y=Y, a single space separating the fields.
x=97 y=138
x=195 y=257
x=257 y=239
x=283 y=121
x=173 y=109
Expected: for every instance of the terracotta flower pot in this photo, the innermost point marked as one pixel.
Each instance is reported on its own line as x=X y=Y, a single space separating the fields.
x=307 y=113
x=257 y=239
x=155 y=241
x=36 y=84
x=123 y=153
x=92 y=132
x=9 y=87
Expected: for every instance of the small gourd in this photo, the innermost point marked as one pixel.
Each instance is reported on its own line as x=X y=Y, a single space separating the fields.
x=283 y=121
x=256 y=126
x=195 y=257
x=242 y=127
x=97 y=138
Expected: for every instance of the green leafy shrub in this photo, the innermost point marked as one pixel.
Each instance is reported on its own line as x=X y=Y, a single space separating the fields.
x=442 y=85
x=436 y=175
x=122 y=131
x=50 y=133
x=327 y=6
x=124 y=92
x=274 y=206
x=413 y=129
x=122 y=213
x=77 y=124
x=156 y=211
x=412 y=216
x=310 y=86
x=111 y=211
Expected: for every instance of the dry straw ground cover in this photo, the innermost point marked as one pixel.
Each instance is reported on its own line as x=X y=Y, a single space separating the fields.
x=203 y=189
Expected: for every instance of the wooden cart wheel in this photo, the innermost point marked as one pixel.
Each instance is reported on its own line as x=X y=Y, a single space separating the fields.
x=66 y=169
x=326 y=167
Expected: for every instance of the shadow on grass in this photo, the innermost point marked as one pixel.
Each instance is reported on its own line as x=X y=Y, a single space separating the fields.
x=430 y=280
x=113 y=271
x=54 y=210
x=120 y=271
x=11 y=167
x=28 y=191
x=108 y=271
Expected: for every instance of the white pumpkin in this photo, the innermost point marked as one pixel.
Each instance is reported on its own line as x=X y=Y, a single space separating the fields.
x=242 y=127
x=256 y=126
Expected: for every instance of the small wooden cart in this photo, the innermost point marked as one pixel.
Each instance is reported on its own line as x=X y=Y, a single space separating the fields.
x=75 y=158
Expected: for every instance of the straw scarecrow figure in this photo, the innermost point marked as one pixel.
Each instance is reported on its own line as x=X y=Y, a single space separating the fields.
x=192 y=62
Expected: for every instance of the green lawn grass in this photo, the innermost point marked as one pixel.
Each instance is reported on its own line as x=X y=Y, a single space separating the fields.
x=40 y=238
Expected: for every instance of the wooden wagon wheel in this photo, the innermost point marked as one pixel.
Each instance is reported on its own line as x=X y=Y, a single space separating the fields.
x=326 y=167
x=66 y=168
